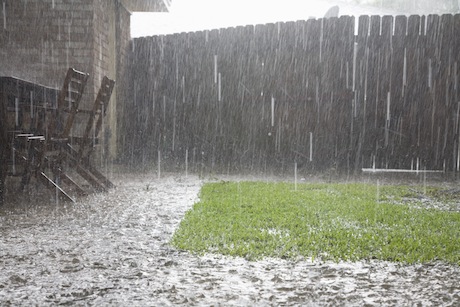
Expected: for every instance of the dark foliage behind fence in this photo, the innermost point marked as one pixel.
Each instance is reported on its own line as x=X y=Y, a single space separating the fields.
x=313 y=92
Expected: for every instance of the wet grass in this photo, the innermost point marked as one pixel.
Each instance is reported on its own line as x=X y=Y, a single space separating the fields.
x=325 y=221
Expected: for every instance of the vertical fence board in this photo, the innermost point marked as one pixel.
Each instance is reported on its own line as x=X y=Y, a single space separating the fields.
x=456 y=92
x=364 y=153
x=374 y=95
x=397 y=109
x=444 y=96
x=414 y=86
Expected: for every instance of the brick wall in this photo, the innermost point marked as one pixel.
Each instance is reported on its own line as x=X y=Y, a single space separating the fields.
x=111 y=42
x=40 y=40
x=121 y=92
x=123 y=44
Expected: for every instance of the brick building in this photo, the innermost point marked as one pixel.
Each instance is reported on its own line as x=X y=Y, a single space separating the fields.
x=41 y=39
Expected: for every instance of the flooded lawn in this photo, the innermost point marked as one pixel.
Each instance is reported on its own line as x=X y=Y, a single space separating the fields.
x=112 y=249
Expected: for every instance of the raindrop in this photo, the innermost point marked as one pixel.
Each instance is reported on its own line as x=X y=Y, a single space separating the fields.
x=455 y=76
x=317 y=92
x=102 y=138
x=219 y=94
x=378 y=191
x=68 y=44
x=355 y=106
x=387 y=124
x=164 y=107
x=57 y=190
x=273 y=111
x=295 y=176
x=13 y=150
x=366 y=70
x=458 y=157
x=31 y=104
x=215 y=68
x=177 y=68
x=321 y=41
x=100 y=49
x=430 y=72
x=311 y=146
x=94 y=133
x=174 y=126
x=347 y=75
x=405 y=69
x=59 y=29
x=159 y=165
x=377 y=201
x=186 y=163
x=4 y=15
x=183 y=89
x=70 y=97
x=16 y=111
x=198 y=99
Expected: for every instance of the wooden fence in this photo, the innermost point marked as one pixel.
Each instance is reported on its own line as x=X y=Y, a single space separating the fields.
x=329 y=93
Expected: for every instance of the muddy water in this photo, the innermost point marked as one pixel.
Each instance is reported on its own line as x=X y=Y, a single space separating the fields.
x=112 y=249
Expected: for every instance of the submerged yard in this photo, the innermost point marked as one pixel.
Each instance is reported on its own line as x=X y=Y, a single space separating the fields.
x=115 y=249
x=327 y=221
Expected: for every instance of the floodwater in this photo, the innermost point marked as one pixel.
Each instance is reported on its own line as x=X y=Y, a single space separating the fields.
x=112 y=250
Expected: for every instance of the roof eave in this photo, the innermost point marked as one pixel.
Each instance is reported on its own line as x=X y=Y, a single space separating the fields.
x=147 y=5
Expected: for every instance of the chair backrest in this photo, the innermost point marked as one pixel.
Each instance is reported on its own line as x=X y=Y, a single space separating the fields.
x=96 y=116
x=67 y=104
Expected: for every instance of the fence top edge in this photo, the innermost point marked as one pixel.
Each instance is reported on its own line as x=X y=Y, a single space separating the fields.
x=274 y=25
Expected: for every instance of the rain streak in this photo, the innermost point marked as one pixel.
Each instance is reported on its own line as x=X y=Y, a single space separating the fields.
x=106 y=141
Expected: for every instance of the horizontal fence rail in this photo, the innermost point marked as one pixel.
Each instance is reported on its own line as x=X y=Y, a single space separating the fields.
x=337 y=93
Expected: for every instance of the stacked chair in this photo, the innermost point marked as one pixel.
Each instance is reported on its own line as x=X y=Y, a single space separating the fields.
x=44 y=148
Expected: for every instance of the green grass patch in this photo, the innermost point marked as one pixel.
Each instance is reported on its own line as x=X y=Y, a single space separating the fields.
x=326 y=221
